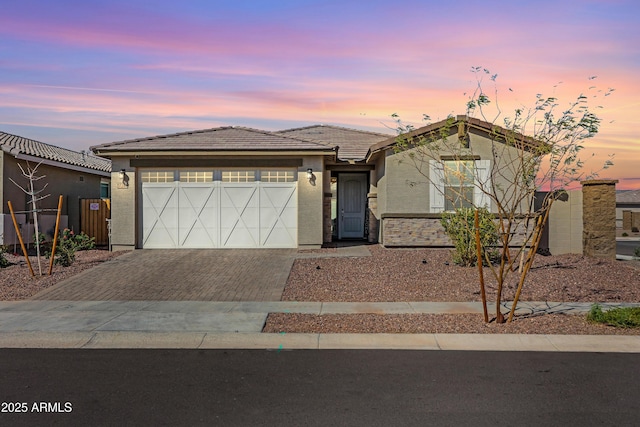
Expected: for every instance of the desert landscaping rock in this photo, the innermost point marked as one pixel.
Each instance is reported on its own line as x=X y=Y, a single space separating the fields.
x=405 y=275
x=400 y=275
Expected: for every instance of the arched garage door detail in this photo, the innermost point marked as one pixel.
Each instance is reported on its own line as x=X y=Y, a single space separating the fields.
x=220 y=215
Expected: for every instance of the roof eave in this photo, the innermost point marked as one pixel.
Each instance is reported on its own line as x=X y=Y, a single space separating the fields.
x=48 y=162
x=279 y=152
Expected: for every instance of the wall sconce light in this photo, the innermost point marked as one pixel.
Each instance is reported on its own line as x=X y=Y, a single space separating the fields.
x=309 y=174
x=124 y=179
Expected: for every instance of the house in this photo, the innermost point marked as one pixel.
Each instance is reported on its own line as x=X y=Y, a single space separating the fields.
x=237 y=187
x=628 y=206
x=74 y=175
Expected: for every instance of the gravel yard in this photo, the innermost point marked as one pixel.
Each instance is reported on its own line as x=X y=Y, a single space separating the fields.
x=436 y=324
x=429 y=275
x=16 y=282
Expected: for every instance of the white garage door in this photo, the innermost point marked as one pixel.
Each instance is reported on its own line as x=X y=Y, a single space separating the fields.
x=216 y=214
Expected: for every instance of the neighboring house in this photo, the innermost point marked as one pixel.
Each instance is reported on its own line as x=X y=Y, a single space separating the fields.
x=68 y=173
x=627 y=200
x=238 y=187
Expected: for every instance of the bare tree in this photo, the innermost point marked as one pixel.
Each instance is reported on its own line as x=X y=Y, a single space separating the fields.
x=34 y=198
x=536 y=147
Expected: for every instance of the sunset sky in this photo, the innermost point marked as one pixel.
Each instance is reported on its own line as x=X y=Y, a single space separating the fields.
x=81 y=73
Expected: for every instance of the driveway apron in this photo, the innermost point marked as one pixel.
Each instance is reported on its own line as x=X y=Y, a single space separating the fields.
x=181 y=275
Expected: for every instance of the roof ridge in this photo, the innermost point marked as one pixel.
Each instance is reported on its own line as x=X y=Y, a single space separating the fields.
x=210 y=130
x=334 y=127
x=166 y=135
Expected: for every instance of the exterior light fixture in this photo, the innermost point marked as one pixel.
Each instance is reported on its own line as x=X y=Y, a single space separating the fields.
x=309 y=174
x=124 y=179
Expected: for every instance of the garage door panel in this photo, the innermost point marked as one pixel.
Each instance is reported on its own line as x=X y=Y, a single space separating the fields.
x=240 y=237
x=198 y=216
x=160 y=215
x=278 y=215
x=239 y=215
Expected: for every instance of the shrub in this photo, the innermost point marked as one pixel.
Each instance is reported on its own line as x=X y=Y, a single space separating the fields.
x=4 y=262
x=68 y=244
x=624 y=317
x=636 y=252
x=625 y=234
x=84 y=242
x=459 y=226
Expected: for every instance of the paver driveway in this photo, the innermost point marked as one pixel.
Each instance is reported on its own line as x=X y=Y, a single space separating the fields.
x=181 y=275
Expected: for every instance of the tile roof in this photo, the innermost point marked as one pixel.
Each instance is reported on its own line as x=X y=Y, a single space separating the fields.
x=16 y=145
x=489 y=128
x=353 y=144
x=628 y=196
x=229 y=138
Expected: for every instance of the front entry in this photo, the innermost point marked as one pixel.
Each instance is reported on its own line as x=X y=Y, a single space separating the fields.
x=352 y=205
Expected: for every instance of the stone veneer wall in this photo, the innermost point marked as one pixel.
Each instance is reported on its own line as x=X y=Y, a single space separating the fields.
x=599 y=218
x=422 y=230
x=326 y=213
x=372 y=202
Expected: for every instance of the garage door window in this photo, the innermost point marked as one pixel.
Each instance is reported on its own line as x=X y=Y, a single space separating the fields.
x=157 y=176
x=277 y=176
x=196 y=176
x=238 y=176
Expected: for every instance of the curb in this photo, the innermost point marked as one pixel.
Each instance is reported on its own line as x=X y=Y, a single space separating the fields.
x=285 y=341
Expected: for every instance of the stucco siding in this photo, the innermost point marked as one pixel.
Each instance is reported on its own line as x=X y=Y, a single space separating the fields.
x=407 y=189
x=565 y=225
x=310 y=202
x=72 y=185
x=123 y=206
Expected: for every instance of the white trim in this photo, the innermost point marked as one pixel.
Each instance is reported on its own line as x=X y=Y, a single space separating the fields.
x=482 y=179
x=436 y=189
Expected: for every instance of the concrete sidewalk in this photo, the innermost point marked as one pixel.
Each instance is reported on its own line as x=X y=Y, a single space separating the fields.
x=202 y=324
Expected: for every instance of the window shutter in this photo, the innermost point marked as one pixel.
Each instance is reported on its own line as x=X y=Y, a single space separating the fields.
x=436 y=187
x=483 y=180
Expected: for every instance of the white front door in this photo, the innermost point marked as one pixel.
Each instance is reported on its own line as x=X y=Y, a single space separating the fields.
x=352 y=201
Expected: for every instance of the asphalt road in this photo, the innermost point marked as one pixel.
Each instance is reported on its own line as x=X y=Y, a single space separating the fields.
x=626 y=247
x=356 y=388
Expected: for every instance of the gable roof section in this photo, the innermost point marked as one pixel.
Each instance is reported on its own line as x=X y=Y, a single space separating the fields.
x=229 y=138
x=353 y=144
x=628 y=197
x=471 y=122
x=20 y=147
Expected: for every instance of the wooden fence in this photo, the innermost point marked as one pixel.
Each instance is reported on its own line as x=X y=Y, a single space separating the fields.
x=93 y=219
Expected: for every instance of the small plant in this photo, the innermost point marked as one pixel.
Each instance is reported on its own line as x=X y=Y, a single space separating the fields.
x=39 y=240
x=636 y=252
x=4 y=262
x=623 y=317
x=625 y=234
x=459 y=225
x=84 y=242
x=68 y=244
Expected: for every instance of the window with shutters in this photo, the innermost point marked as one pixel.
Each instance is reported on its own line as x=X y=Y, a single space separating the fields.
x=458 y=184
